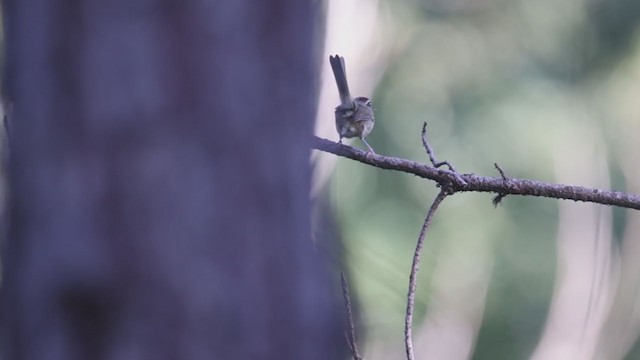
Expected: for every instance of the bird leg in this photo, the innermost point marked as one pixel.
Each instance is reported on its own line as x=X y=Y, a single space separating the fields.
x=369 y=146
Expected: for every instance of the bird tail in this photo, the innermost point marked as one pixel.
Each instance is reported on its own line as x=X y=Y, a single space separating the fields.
x=339 y=72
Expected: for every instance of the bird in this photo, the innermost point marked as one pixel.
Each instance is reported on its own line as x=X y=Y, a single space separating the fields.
x=354 y=116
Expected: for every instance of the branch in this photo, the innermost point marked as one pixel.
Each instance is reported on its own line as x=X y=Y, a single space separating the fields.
x=498 y=198
x=351 y=334
x=431 y=153
x=415 y=266
x=469 y=182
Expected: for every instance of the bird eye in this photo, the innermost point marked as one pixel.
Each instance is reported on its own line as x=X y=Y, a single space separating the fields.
x=368 y=103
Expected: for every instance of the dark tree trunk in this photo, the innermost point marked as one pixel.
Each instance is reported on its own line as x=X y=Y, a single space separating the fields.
x=159 y=181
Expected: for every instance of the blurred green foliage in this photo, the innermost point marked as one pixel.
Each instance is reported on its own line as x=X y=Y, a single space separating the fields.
x=509 y=81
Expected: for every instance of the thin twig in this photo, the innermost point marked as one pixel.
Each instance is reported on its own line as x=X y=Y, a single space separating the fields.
x=434 y=160
x=475 y=183
x=415 y=266
x=351 y=334
x=431 y=153
x=501 y=195
x=504 y=177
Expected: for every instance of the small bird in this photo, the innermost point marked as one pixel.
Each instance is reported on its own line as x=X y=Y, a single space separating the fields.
x=354 y=117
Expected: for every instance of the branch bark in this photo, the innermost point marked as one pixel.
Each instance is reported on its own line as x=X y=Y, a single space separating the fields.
x=475 y=183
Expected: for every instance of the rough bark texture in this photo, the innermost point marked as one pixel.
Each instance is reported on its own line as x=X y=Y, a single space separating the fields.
x=159 y=180
x=503 y=185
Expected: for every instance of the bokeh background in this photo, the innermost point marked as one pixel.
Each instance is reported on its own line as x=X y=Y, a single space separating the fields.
x=548 y=90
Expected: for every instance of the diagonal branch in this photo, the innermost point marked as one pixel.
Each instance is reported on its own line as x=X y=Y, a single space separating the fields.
x=469 y=182
x=415 y=266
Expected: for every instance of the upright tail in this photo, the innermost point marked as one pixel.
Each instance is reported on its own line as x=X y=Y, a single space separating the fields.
x=337 y=65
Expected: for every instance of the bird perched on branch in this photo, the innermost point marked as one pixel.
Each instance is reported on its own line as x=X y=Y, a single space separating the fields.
x=354 y=117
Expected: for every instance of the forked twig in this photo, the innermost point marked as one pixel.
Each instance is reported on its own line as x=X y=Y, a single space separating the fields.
x=450 y=182
x=431 y=153
x=434 y=161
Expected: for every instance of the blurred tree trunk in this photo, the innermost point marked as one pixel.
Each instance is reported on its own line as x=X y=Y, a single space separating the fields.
x=159 y=180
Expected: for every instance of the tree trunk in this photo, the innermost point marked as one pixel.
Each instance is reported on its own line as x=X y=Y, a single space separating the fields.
x=159 y=180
